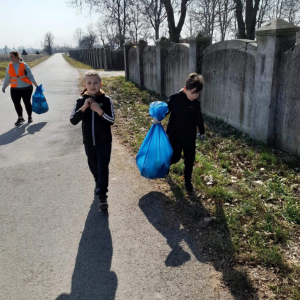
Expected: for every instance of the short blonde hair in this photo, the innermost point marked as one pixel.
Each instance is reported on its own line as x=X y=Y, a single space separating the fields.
x=91 y=73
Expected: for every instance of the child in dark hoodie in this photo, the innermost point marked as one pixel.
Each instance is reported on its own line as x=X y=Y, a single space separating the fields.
x=96 y=112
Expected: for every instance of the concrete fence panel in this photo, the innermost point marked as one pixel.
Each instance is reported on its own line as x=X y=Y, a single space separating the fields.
x=149 y=68
x=176 y=68
x=133 y=65
x=229 y=74
x=118 y=59
x=287 y=135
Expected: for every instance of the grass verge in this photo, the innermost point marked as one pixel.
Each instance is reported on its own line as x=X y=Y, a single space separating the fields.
x=77 y=64
x=3 y=65
x=245 y=215
x=246 y=206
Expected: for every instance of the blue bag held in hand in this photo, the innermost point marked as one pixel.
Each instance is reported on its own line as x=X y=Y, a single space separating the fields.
x=39 y=103
x=154 y=156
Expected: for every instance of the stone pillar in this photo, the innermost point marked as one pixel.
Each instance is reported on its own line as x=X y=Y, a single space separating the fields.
x=107 y=58
x=101 y=58
x=272 y=40
x=161 y=45
x=197 y=45
x=90 y=57
x=139 y=49
x=98 y=58
x=126 y=48
x=94 y=58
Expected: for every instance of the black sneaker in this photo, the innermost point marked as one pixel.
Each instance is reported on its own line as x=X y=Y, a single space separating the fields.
x=20 y=121
x=189 y=187
x=103 y=203
x=30 y=120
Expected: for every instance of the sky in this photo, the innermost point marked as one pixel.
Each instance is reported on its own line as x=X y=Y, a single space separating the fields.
x=25 y=22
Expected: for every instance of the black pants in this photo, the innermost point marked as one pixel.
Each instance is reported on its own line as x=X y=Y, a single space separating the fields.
x=98 y=161
x=25 y=94
x=189 y=151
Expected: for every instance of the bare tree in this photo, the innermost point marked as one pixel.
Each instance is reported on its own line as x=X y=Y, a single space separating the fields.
x=107 y=32
x=154 y=12
x=205 y=14
x=174 y=31
x=225 y=16
x=78 y=34
x=246 y=28
x=49 y=42
x=139 y=28
x=89 y=39
x=117 y=10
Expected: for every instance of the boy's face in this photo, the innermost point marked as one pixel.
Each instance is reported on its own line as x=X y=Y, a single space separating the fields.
x=191 y=94
x=92 y=84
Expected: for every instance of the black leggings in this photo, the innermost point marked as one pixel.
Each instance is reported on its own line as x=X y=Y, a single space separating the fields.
x=189 y=151
x=25 y=94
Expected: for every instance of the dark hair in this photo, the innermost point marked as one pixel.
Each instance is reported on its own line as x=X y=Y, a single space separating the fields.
x=194 y=81
x=16 y=54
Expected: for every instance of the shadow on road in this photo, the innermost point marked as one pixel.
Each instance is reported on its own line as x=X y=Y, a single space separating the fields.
x=183 y=220
x=92 y=278
x=18 y=132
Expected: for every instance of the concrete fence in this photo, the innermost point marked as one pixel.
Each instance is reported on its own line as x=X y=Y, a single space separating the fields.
x=100 y=58
x=252 y=85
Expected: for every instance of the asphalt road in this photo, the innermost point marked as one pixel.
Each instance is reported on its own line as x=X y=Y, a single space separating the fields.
x=54 y=244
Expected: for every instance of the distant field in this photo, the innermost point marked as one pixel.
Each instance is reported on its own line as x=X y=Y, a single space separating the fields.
x=26 y=58
x=31 y=59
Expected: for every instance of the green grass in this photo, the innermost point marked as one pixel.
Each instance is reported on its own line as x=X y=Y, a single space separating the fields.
x=261 y=218
x=3 y=65
x=243 y=185
x=77 y=64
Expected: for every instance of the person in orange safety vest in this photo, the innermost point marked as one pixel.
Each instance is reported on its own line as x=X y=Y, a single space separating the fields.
x=19 y=77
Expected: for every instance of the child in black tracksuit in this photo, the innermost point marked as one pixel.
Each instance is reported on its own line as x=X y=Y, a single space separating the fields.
x=184 y=119
x=96 y=112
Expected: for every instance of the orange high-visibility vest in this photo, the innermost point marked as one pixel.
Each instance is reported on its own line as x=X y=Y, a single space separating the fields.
x=21 y=74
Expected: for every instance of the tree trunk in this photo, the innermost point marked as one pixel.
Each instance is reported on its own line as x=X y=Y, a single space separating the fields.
x=174 y=31
x=239 y=18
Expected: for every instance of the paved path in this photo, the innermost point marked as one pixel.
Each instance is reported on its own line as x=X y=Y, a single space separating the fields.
x=54 y=244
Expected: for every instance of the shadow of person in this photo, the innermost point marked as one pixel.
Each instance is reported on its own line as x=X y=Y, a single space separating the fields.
x=92 y=278
x=13 y=135
x=18 y=132
x=185 y=219
x=32 y=129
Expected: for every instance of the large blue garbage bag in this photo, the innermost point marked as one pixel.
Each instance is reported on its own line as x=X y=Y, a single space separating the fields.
x=154 y=156
x=39 y=103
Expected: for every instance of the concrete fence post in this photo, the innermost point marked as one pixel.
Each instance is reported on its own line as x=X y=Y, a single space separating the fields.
x=94 y=58
x=107 y=58
x=141 y=45
x=126 y=48
x=98 y=58
x=272 y=40
x=197 y=45
x=161 y=45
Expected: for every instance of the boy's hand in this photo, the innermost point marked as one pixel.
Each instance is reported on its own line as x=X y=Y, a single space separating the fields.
x=86 y=104
x=155 y=121
x=96 y=108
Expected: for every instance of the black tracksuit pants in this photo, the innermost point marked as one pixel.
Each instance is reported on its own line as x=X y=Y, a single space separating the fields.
x=98 y=161
x=25 y=94
x=189 y=151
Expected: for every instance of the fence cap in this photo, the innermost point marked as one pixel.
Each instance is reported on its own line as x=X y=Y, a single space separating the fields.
x=278 y=27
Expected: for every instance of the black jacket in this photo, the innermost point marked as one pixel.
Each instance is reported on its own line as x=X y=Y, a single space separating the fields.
x=185 y=117
x=95 y=129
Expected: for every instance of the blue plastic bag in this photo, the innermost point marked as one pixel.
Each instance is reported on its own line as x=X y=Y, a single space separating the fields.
x=39 y=103
x=154 y=156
